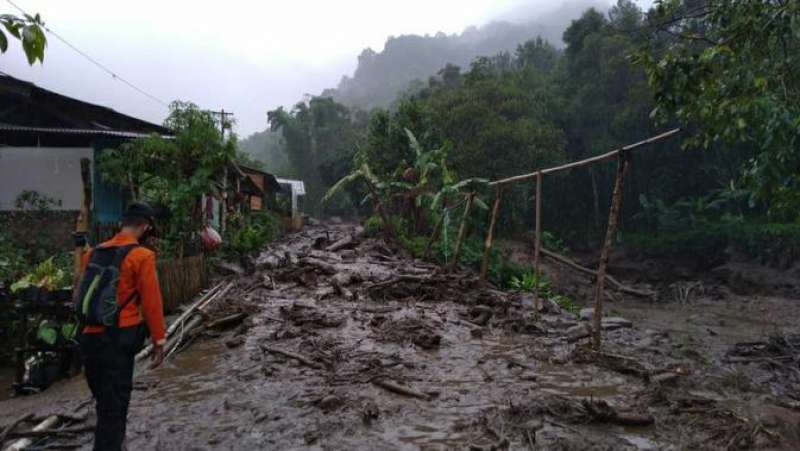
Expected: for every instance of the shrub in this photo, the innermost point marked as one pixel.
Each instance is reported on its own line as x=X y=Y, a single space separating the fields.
x=252 y=236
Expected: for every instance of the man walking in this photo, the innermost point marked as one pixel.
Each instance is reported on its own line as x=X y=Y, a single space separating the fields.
x=118 y=300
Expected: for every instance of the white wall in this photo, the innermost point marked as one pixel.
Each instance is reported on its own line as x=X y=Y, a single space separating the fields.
x=52 y=171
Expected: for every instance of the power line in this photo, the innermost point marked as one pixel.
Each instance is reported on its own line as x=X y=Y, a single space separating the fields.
x=100 y=65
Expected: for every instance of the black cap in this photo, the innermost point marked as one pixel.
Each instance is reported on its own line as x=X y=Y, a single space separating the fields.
x=139 y=210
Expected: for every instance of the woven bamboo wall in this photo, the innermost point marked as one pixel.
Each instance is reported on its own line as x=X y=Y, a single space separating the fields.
x=181 y=280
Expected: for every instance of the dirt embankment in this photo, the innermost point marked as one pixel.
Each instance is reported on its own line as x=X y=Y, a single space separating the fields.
x=351 y=344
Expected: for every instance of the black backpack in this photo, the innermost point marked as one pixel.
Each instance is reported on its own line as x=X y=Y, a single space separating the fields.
x=96 y=302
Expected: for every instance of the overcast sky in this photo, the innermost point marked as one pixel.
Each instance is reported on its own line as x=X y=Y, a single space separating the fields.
x=244 y=56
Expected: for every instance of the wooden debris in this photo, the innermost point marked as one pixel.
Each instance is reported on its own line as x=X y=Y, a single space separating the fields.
x=613 y=282
x=344 y=243
x=13 y=426
x=400 y=390
x=305 y=361
x=600 y=411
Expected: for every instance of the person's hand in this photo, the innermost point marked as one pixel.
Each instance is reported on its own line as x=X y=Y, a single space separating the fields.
x=157 y=356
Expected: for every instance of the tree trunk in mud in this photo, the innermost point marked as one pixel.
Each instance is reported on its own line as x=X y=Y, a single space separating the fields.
x=623 y=163
x=487 y=246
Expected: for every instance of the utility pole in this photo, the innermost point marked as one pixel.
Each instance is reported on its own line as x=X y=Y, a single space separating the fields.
x=223 y=206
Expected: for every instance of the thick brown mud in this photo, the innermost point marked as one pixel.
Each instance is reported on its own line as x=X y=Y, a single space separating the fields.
x=364 y=348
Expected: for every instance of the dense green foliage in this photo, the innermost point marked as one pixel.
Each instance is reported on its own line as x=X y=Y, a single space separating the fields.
x=731 y=70
x=623 y=75
x=174 y=173
x=320 y=137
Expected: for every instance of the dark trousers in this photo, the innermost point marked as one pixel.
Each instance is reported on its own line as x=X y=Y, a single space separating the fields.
x=108 y=360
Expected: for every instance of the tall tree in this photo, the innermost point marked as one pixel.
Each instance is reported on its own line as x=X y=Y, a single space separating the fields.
x=730 y=71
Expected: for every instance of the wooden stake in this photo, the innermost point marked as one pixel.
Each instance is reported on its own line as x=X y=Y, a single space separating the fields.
x=487 y=247
x=613 y=216
x=462 y=229
x=537 y=245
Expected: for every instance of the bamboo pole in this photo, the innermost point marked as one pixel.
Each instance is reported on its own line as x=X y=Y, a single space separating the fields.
x=537 y=245
x=204 y=300
x=595 y=159
x=487 y=246
x=462 y=229
x=613 y=216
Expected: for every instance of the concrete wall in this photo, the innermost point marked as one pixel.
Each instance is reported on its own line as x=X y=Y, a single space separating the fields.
x=51 y=171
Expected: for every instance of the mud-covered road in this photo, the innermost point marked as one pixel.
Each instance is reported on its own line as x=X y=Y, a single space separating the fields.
x=362 y=347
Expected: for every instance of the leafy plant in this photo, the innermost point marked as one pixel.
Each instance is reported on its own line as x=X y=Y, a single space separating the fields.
x=46 y=275
x=28 y=30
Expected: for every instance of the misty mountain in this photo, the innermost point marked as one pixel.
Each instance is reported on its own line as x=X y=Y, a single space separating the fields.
x=381 y=76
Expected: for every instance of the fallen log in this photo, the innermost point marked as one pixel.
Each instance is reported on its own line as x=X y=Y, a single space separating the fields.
x=226 y=322
x=47 y=433
x=345 y=242
x=400 y=390
x=23 y=443
x=615 y=284
x=13 y=425
x=292 y=355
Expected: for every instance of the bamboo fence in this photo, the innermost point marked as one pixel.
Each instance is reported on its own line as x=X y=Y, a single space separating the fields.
x=181 y=279
x=623 y=165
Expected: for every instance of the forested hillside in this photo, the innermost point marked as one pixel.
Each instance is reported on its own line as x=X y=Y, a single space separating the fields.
x=406 y=62
x=622 y=75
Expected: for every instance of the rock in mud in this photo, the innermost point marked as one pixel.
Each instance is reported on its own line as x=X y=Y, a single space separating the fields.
x=330 y=403
x=586 y=314
x=234 y=342
x=578 y=332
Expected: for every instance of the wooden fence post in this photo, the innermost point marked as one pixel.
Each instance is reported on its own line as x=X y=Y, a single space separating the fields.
x=623 y=163
x=462 y=229
x=537 y=244
x=487 y=247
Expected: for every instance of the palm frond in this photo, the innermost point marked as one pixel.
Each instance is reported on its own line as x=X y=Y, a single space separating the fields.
x=339 y=186
x=412 y=140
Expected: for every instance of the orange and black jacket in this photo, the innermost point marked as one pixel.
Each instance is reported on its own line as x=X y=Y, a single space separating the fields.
x=137 y=274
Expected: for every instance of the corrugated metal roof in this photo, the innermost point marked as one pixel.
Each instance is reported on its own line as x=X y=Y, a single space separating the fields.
x=298 y=187
x=76 y=131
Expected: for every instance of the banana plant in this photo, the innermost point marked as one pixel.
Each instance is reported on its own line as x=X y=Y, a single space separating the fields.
x=375 y=186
